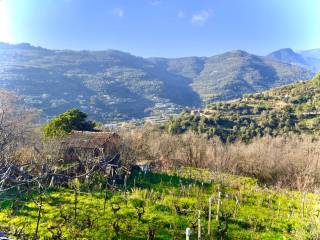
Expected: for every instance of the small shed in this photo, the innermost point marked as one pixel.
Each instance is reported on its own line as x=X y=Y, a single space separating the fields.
x=90 y=145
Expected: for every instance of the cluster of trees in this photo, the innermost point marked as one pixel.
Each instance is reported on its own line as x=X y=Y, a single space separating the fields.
x=232 y=126
x=291 y=109
x=64 y=123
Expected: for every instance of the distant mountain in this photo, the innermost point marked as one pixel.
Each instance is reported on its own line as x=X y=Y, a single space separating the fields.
x=309 y=59
x=287 y=55
x=106 y=84
x=312 y=57
x=229 y=75
x=113 y=85
x=313 y=53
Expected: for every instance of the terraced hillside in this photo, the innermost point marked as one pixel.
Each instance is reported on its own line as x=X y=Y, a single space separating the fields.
x=294 y=108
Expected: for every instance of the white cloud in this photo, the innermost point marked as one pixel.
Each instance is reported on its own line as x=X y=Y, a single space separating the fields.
x=181 y=14
x=199 y=18
x=118 y=12
x=155 y=2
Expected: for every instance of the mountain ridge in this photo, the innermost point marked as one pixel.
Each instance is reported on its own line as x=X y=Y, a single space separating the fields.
x=288 y=55
x=308 y=58
x=115 y=85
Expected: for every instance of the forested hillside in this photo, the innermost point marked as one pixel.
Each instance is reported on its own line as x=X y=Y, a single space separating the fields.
x=294 y=108
x=113 y=85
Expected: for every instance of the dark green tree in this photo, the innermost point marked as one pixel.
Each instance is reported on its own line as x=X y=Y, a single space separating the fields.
x=64 y=123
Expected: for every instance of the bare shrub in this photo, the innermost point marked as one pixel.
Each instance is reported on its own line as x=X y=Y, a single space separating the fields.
x=11 y=126
x=289 y=161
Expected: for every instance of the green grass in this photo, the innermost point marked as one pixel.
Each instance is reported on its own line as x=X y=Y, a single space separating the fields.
x=171 y=203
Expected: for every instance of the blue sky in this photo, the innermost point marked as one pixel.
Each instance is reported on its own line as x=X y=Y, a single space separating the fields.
x=168 y=28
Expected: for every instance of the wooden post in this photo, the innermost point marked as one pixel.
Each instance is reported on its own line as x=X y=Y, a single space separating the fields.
x=236 y=207
x=75 y=203
x=38 y=218
x=199 y=224
x=105 y=197
x=52 y=178
x=125 y=186
x=303 y=200
x=125 y=182
x=218 y=206
x=209 y=217
x=188 y=233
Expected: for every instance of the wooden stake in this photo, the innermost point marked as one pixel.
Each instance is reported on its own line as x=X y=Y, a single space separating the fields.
x=75 y=203
x=199 y=224
x=218 y=206
x=38 y=218
x=105 y=197
x=209 y=217
x=52 y=178
x=303 y=203
x=188 y=233
x=125 y=186
x=125 y=182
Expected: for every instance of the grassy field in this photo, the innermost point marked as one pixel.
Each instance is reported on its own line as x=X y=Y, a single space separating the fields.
x=165 y=204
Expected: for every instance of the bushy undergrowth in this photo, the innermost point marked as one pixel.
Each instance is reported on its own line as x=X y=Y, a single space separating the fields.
x=165 y=204
x=290 y=161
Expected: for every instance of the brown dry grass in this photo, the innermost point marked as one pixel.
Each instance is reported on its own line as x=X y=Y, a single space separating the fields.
x=291 y=161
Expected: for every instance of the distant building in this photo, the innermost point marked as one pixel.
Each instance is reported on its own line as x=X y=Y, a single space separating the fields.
x=90 y=145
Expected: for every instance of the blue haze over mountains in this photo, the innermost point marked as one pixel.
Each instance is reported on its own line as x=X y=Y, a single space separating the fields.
x=114 y=85
x=309 y=59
